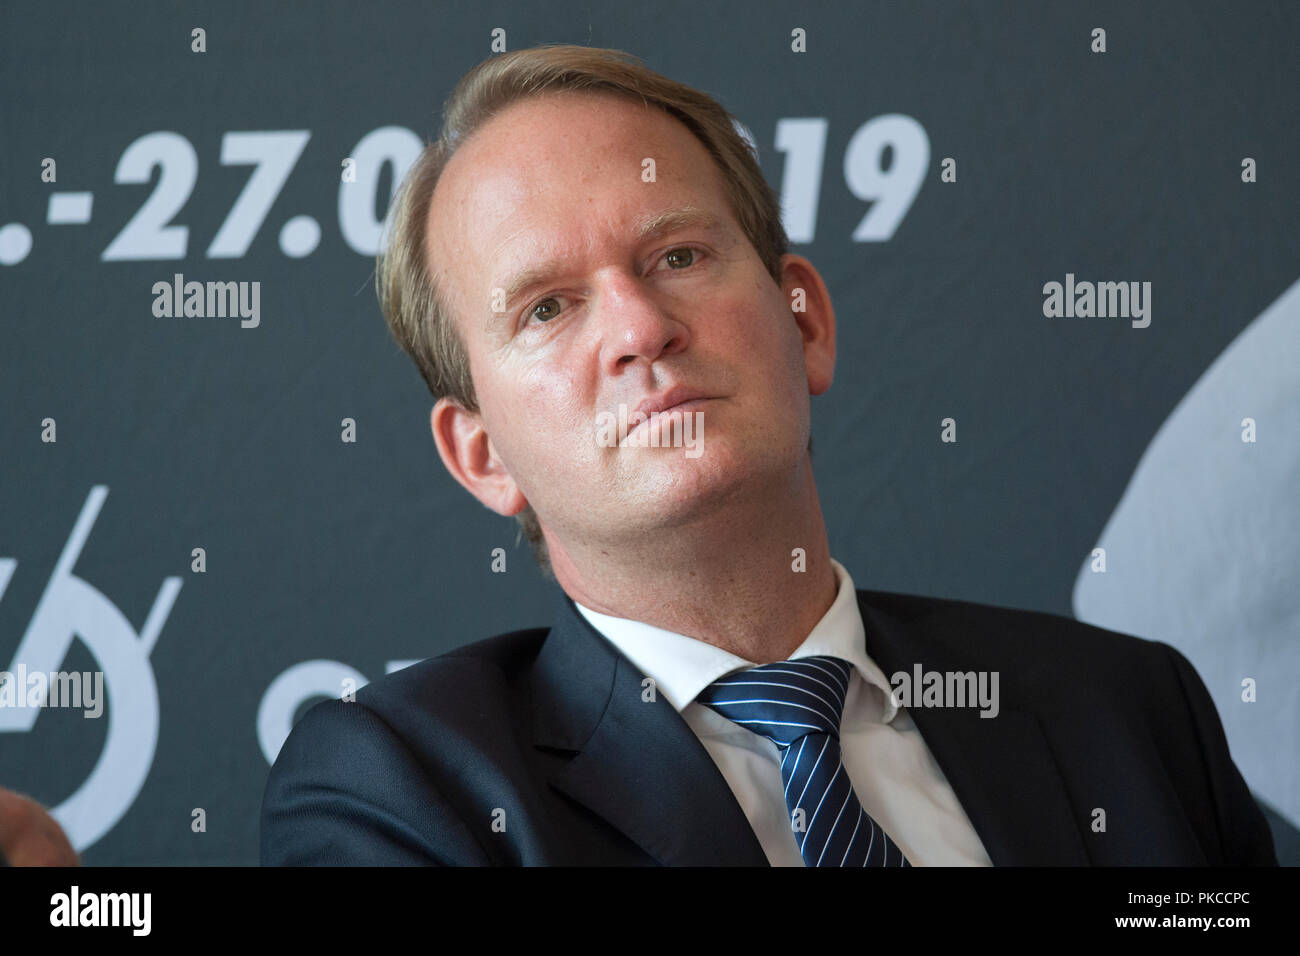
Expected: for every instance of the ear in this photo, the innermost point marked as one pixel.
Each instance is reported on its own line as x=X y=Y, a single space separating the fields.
x=467 y=452
x=816 y=321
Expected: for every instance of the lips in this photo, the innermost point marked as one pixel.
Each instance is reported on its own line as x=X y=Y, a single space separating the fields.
x=667 y=400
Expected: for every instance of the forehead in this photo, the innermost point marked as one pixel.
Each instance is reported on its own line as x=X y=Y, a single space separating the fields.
x=561 y=175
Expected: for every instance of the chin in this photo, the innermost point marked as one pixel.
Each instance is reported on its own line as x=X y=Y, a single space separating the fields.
x=682 y=486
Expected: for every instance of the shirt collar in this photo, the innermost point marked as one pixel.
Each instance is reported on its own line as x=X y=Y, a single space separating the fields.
x=683 y=666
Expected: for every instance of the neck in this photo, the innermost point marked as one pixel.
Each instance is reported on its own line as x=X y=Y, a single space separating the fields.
x=728 y=578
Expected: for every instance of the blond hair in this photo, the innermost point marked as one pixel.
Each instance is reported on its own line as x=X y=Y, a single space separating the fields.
x=416 y=313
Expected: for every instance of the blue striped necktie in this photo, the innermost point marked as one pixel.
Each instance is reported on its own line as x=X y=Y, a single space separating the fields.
x=797 y=705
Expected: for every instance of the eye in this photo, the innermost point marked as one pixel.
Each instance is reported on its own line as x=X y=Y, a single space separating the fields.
x=680 y=259
x=686 y=253
x=533 y=314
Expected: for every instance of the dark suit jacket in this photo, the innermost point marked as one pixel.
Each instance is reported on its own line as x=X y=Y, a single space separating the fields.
x=536 y=747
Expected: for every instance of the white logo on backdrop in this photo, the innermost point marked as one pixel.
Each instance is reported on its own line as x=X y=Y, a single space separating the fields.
x=1205 y=542
x=70 y=608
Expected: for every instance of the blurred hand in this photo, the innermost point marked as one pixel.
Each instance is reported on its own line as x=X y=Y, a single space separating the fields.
x=29 y=836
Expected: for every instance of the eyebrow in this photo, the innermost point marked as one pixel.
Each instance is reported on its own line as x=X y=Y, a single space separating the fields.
x=661 y=224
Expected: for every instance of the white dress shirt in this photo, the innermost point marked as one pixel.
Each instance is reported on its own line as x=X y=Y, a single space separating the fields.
x=892 y=771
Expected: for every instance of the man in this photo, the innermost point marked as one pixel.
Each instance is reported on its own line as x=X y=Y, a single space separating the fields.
x=588 y=240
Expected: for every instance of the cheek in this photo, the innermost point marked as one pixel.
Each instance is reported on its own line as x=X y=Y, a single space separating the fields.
x=549 y=409
x=763 y=331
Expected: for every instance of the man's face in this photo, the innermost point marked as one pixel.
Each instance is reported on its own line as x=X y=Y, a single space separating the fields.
x=555 y=187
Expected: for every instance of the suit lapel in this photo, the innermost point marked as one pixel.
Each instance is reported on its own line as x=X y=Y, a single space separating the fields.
x=638 y=765
x=1001 y=768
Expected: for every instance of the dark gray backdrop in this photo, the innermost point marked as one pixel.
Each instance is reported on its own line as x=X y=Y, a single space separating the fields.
x=1124 y=166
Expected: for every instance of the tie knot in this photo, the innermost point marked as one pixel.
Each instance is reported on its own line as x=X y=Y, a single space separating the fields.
x=785 y=700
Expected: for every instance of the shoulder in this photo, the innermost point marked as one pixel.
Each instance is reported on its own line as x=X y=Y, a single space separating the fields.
x=456 y=688
x=471 y=689
x=1051 y=652
x=1017 y=625
x=377 y=779
x=1072 y=676
x=463 y=673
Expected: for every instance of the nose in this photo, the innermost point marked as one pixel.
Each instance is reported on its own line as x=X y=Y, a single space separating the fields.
x=638 y=323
